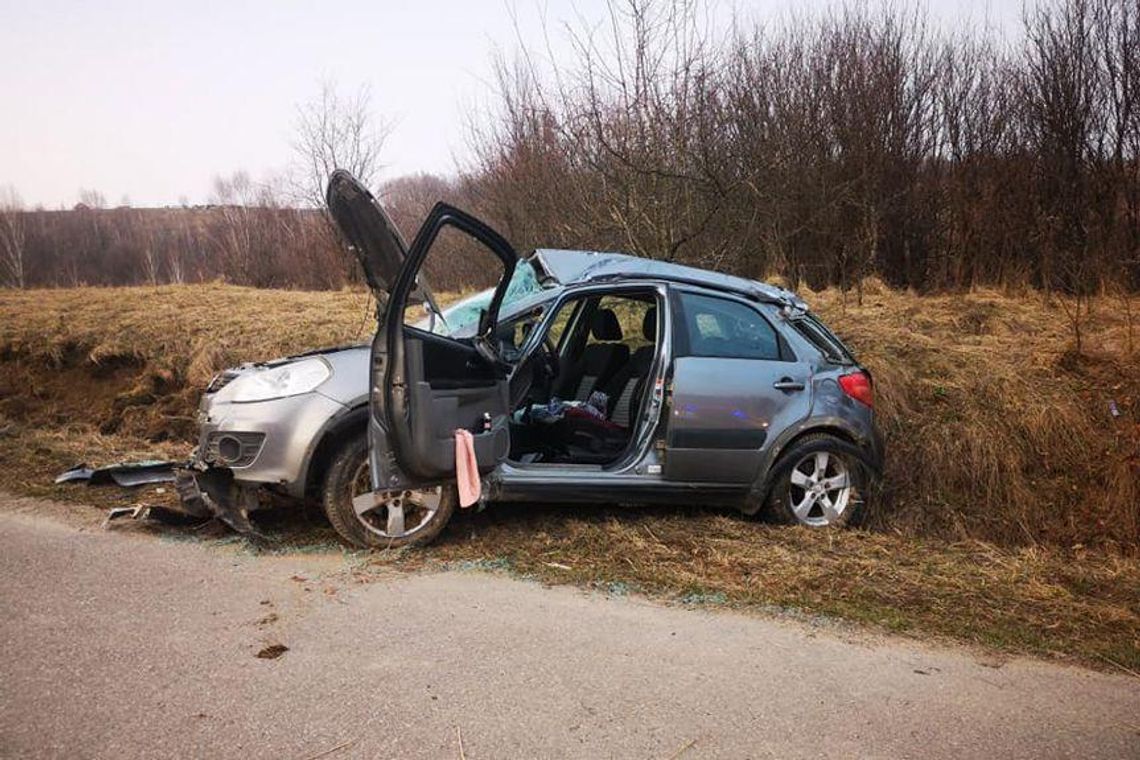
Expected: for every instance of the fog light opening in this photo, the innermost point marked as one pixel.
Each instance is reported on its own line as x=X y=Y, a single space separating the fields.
x=229 y=449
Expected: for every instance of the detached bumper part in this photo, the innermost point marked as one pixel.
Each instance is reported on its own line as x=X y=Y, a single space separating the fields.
x=125 y=474
x=213 y=493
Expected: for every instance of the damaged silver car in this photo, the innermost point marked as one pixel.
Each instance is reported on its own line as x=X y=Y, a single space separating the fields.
x=581 y=377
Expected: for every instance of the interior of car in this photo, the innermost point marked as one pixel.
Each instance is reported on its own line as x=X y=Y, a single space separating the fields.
x=588 y=381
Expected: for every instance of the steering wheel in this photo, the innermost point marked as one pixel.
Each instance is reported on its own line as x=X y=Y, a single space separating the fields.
x=488 y=354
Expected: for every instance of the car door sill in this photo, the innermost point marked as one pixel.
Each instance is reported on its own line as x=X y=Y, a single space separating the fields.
x=624 y=488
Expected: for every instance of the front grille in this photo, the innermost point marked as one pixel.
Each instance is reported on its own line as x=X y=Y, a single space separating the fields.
x=240 y=448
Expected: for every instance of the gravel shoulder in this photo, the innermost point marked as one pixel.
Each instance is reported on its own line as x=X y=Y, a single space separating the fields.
x=119 y=643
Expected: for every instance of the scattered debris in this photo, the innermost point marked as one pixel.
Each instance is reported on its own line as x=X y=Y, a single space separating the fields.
x=557 y=565
x=202 y=494
x=152 y=511
x=272 y=652
x=197 y=501
x=213 y=492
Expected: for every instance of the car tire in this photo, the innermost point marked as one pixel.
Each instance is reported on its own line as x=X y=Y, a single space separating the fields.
x=789 y=492
x=344 y=481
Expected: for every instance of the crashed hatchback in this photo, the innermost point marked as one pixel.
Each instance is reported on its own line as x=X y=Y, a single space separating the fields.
x=579 y=377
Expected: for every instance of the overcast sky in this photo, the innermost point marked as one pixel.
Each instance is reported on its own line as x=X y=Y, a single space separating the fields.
x=148 y=99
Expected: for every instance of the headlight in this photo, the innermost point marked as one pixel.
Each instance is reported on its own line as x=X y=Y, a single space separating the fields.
x=289 y=379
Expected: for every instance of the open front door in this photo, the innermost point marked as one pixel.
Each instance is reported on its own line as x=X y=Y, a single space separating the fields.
x=424 y=385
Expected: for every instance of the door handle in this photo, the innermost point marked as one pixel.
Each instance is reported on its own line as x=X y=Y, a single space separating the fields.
x=788 y=384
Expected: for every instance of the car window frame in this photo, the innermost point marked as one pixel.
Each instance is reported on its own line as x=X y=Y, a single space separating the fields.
x=820 y=337
x=578 y=320
x=682 y=346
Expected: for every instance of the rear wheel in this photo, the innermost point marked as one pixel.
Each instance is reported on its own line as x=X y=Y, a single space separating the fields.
x=821 y=481
x=403 y=518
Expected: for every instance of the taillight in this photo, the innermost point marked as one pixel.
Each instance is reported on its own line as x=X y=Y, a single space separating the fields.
x=858 y=386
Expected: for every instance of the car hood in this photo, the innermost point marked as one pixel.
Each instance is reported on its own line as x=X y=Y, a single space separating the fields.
x=371 y=235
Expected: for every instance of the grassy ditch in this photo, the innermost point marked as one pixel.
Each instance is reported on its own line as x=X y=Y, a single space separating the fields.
x=1011 y=518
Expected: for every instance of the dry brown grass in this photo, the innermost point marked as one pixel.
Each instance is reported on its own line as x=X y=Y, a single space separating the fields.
x=996 y=428
x=135 y=359
x=997 y=434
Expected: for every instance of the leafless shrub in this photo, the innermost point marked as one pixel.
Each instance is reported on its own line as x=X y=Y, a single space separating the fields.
x=12 y=237
x=828 y=149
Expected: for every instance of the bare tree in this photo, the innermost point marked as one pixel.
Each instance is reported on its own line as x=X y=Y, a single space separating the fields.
x=12 y=236
x=336 y=132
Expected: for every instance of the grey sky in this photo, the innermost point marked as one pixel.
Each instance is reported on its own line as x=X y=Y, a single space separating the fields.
x=149 y=100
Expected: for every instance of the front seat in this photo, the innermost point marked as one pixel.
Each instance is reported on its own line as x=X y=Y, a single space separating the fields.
x=599 y=361
x=627 y=387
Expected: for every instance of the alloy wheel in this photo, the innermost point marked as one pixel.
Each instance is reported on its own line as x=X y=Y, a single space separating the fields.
x=821 y=489
x=400 y=513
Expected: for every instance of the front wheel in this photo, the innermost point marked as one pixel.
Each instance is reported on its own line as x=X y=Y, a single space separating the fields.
x=820 y=481
x=404 y=518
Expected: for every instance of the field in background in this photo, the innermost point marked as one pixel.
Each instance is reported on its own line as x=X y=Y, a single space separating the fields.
x=1010 y=515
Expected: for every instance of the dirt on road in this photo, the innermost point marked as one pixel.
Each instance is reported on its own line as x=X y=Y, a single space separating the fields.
x=121 y=644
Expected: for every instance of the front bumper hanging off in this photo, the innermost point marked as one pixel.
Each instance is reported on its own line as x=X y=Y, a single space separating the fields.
x=212 y=492
x=204 y=492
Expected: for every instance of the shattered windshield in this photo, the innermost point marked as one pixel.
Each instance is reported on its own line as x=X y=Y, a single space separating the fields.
x=523 y=282
x=461 y=319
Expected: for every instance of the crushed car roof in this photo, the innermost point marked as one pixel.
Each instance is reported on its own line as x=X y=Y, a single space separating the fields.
x=566 y=266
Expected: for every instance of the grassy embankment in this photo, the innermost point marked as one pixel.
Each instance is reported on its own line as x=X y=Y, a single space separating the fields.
x=1010 y=519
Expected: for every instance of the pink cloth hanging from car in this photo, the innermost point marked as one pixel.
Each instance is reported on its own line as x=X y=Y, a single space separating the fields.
x=466 y=468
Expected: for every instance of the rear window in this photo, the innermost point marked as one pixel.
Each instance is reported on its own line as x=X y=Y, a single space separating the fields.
x=822 y=338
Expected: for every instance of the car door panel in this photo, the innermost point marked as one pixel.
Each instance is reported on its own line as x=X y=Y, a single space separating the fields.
x=722 y=412
x=444 y=401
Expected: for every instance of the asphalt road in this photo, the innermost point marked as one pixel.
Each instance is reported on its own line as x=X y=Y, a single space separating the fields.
x=118 y=644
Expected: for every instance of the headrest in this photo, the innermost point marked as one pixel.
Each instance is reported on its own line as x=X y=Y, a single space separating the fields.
x=605 y=325
x=649 y=324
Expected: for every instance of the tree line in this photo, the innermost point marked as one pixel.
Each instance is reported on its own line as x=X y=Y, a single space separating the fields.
x=824 y=149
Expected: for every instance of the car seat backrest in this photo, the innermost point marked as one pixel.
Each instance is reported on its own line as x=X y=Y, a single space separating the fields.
x=599 y=361
x=628 y=386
